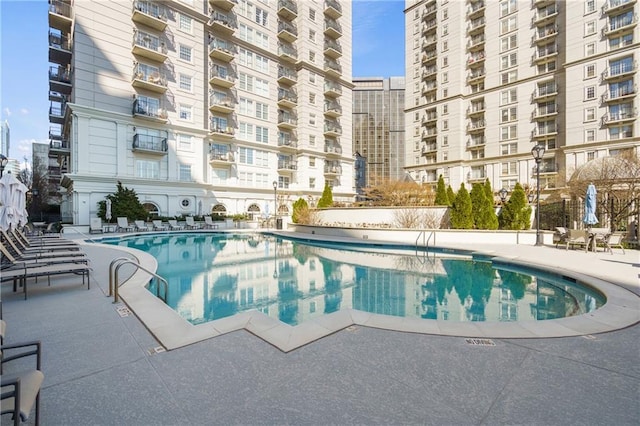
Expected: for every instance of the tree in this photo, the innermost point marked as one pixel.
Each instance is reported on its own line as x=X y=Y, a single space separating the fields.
x=124 y=203
x=461 y=210
x=441 y=193
x=483 y=213
x=299 y=208
x=516 y=213
x=488 y=190
x=450 y=195
x=327 y=197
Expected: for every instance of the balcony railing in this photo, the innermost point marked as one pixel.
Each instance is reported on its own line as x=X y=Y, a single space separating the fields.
x=618 y=25
x=287 y=30
x=332 y=8
x=144 y=108
x=332 y=127
x=620 y=116
x=621 y=92
x=141 y=74
x=544 y=131
x=149 y=45
x=60 y=74
x=476 y=142
x=620 y=69
x=223 y=21
x=287 y=118
x=220 y=127
x=333 y=149
x=287 y=96
x=332 y=169
x=59 y=41
x=333 y=107
x=222 y=49
x=612 y=6
x=543 y=91
x=545 y=52
x=476 y=125
x=150 y=13
x=288 y=74
x=288 y=141
x=332 y=28
x=222 y=75
x=476 y=58
x=287 y=9
x=222 y=157
x=332 y=47
x=287 y=51
x=476 y=25
x=332 y=88
x=149 y=143
x=287 y=165
x=543 y=15
x=544 y=111
x=332 y=66
x=60 y=8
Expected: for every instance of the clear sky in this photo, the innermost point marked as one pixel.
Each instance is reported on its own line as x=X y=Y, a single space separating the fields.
x=378 y=51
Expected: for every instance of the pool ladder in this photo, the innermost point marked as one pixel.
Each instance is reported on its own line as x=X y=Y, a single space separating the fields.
x=118 y=262
x=424 y=257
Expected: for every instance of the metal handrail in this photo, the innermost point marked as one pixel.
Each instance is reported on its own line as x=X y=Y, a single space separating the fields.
x=114 y=283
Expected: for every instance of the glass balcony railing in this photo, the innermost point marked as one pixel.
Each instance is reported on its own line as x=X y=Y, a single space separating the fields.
x=149 y=143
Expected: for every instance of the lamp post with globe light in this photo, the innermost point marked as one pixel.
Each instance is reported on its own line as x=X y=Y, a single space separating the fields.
x=537 y=152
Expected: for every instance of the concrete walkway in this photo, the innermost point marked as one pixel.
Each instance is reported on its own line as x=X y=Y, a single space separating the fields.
x=103 y=367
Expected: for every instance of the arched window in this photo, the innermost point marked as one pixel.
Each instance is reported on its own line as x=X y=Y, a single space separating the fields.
x=219 y=210
x=152 y=209
x=253 y=211
x=283 y=210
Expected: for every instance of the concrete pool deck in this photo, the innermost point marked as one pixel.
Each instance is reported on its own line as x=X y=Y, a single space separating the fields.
x=102 y=366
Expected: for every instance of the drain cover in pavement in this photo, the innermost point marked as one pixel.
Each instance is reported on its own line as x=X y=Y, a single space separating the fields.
x=480 y=342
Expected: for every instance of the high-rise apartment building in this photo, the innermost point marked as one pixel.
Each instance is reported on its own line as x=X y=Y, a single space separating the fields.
x=378 y=129
x=5 y=138
x=200 y=106
x=486 y=81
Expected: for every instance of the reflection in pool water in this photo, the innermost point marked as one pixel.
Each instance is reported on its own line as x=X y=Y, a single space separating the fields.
x=212 y=276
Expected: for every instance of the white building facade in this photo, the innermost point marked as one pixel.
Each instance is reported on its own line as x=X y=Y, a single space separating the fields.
x=488 y=80
x=200 y=106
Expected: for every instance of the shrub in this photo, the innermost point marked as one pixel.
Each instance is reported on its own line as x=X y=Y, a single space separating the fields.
x=327 y=197
x=441 y=193
x=298 y=207
x=461 y=210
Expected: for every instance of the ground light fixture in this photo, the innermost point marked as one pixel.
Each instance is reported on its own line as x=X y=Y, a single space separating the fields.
x=537 y=152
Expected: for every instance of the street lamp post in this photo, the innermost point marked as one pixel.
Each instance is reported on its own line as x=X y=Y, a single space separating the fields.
x=275 y=201
x=503 y=196
x=537 y=152
x=3 y=163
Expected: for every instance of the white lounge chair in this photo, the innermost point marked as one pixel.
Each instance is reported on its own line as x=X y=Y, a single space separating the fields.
x=159 y=226
x=123 y=225
x=173 y=225
x=613 y=240
x=191 y=223
x=140 y=225
x=208 y=223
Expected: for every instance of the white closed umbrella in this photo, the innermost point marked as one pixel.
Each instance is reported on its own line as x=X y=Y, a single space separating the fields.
x=107 y=213
x=13 y=201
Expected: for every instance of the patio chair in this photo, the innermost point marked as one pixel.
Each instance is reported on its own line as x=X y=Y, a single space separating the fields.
x=123 y=225
x=560 y=235
x=173 y=225
x=20 y=389
x=43 y=254
x=140 y=225
x=19 y=247
x=613 y=240
x=159 y=226
x=11 y=261
x=191 y=224
x=208 y=223
x=20 y=273
x=95 y=225
x=577 y=237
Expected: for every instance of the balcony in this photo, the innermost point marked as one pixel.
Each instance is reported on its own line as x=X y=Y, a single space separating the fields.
x=60 y=48
x=476 y=175
x=429 y=87
x=332 y=89
x=150 y=13
x=476 y=109
x=429 y=133
x=545 y=34
x=287 y=120
x=333 y=149
x=475 y=10
x=545 y=111
x=620 y=25
x=222 y=102
x=150 y=144
x=476 y=76
x=617 y=6
x=476 y=43
x=287 y=141
x=59 y=148
x=429 y=72
x=287 y=31
x=287 y=75
x=332 y=109
x=219 y=158
x=545 y=16
x=544 y=92
x=429 y=28
x=429 y=57
x=611 y=119
x=476 y=26
x=332 y=8
x=223 y=23
x=223 y=4
x=332 y=168
x=544 y=131
x=537 y=4
x=332 y=67
x=60 y=16
x=332 y=128
x=622 y=93
x=476 y=142
x=143 y=79
x=429 y=148
x=545 y=168
x=332 y=48
x=219 y=128
x=221 y=49
x=287 y=52
x=149 y=46
x=142 y=108
x=429 y=12
x=287 y=165
x=287 y=98
x=287 y=9
x=544 y=54
x=620 y=70
x=60 y=80
x=429 y=117
x=476 y=60
x=429 y=42
x=476 y=126
x=222 y=76
x=57 y=112
x=332 y=28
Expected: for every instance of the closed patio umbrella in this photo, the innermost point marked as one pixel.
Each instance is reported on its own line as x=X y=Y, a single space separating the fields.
x=107 y=213
x=590 y=206
x=13 y=201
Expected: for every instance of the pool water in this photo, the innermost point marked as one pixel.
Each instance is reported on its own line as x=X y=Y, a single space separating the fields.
x=212 y=276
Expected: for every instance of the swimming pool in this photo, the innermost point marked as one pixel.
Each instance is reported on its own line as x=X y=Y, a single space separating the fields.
x=213 y=276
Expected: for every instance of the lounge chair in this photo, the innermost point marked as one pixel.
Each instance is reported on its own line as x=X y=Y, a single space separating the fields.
x=613 y=240
x=191 y=224
x=21 y=389
x=577 y=237
x=29 y=255
x=140 y=225
x=123 y=225
x=19 y=247
x=19 y=261
x=95 y=225
x=208 y=223
x=20 y=273
x=560 y=235
x=159 y=226
x=173 y=225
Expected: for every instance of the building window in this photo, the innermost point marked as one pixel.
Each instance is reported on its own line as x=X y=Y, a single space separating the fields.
x=508 y=114
x=589 y=6
x=147 y=169
x=445 y=45
x=312 y=98
x=185 y=23
x=445 y=109
x=185 y=53
x=445 y=61
x=312 y=57
x=262 y=134
x=590 y=93
x=185 y=82
x=507 y=7
x=547 y=67
x=445 y=29
x=509 y=148
x=445 y=13
x=445 y=93
x=509 y=77
x=508 y=132
x=508 y=43
x=590 y=49
x=622 y=41
x=590 y=135
x=590 y=71
x=312 y=140
x=445 y=141
x=184 y=173
x=509 y=168
x=509 y=24
x=445 y=124
x=508 y=61
x=184 y=142
x=589 y=114
x=185 y=112
x=590 y=28
x=312 y=183
x=508 y=96
x=312 y=161
x=312 y=15
x=261 y=16
x=312 y=36
x=312 y=120
x=262 y=111
x=620 y=132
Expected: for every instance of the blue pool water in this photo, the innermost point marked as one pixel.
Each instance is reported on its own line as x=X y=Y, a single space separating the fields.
x=212 y=276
